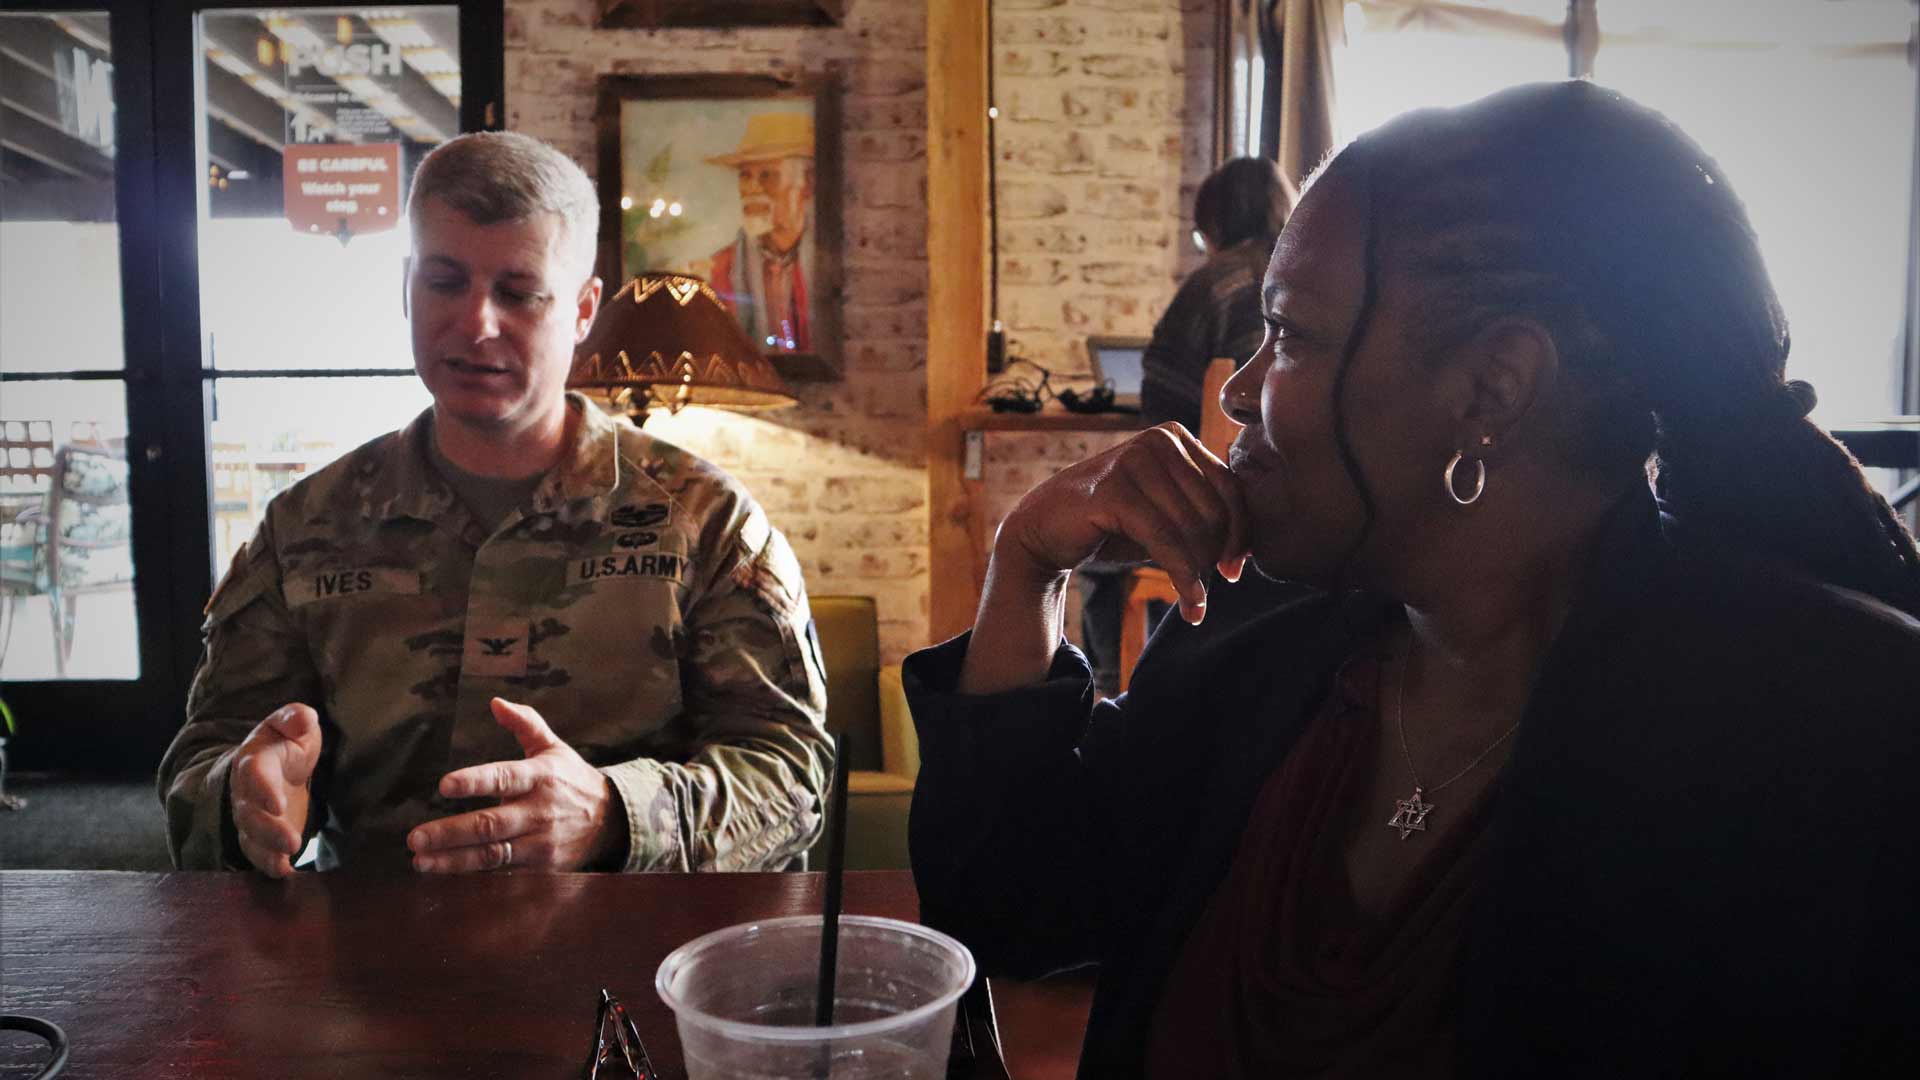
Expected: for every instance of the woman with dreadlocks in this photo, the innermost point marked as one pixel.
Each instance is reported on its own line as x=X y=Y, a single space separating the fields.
x=1589 y=756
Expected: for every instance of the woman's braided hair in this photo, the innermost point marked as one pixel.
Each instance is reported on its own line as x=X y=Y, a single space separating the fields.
x=1571 y=204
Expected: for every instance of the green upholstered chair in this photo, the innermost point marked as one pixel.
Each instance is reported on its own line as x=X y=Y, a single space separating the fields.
x=26 y=475
x=867 y=711
x=75 y=537
x=22 y=556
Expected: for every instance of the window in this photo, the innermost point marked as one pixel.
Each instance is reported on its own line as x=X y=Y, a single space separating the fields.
x=66 y=486
x=1809 y=107
x=304 y=342
x=1410 y=54
x=183 y=332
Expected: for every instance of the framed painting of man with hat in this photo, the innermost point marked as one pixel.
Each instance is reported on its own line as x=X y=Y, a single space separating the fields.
x=733 y=179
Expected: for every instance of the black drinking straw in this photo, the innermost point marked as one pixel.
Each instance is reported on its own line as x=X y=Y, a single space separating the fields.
x=836 y=871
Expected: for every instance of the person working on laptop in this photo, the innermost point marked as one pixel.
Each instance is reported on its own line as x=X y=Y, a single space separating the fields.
x=1237 y=215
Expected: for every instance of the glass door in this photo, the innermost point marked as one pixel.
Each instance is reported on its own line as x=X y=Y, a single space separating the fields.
x=66 y=560
x=83 y=586
x=312 y=121
x=201 y=233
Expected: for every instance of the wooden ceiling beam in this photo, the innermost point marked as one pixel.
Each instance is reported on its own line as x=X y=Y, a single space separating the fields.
x=240 y=39
x=28 y=135
x=416 y=95
x=36 y=41
x=442 y=27
x=89 y=28
x=244 y=109
x=29 y=89
x=29 y=191
x=233 y=149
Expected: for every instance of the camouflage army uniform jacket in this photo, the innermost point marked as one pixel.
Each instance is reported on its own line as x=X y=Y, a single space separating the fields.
x=642 y=604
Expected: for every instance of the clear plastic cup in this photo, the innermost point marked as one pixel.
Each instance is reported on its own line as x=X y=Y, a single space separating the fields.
x=743 y=998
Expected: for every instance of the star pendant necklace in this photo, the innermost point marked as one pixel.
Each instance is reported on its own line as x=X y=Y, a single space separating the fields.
x=1410 y=815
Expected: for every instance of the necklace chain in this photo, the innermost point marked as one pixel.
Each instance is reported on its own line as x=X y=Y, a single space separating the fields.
x=1400 y=722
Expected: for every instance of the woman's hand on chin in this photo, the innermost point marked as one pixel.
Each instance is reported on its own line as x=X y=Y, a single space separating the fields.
x=1160 y=495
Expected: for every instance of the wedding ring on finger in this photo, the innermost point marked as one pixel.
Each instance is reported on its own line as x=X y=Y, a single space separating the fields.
x=506 y=854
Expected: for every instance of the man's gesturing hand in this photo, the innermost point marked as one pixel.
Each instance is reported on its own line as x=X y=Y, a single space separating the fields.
x=268 y=787
x=553 y=812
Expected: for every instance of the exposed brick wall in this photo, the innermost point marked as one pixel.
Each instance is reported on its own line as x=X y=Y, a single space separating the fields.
x=1105 y=130
x=843 y=475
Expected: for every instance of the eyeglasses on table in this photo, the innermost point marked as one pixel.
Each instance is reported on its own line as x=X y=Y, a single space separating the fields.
x=622 y=1054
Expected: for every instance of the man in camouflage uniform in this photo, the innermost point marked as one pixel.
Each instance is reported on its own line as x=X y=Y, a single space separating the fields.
x=518 y=632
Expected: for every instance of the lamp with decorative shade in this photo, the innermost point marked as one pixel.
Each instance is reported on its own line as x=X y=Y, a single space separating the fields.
x=665 y=341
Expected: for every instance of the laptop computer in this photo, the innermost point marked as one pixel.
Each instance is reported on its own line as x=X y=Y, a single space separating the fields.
x=1111 y=356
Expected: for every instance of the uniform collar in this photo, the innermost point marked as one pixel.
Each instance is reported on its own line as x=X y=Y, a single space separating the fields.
x=402 y=482
x=590 y=468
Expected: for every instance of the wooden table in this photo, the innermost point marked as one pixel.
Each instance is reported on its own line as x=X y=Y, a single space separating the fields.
x=233 y=975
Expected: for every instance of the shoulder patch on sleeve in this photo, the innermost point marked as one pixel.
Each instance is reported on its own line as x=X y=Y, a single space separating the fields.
x=249 y=575
x=770 y=568
x=755 y=531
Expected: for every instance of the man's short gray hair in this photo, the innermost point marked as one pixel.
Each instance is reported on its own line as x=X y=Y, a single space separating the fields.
x=502 y=176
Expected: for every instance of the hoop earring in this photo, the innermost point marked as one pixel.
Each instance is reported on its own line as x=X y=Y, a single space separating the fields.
x=1479 y=478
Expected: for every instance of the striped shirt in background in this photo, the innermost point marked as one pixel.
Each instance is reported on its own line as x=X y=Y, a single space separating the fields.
x=1215 y=313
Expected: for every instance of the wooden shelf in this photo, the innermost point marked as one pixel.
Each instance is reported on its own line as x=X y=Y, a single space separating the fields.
x=980 y=418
